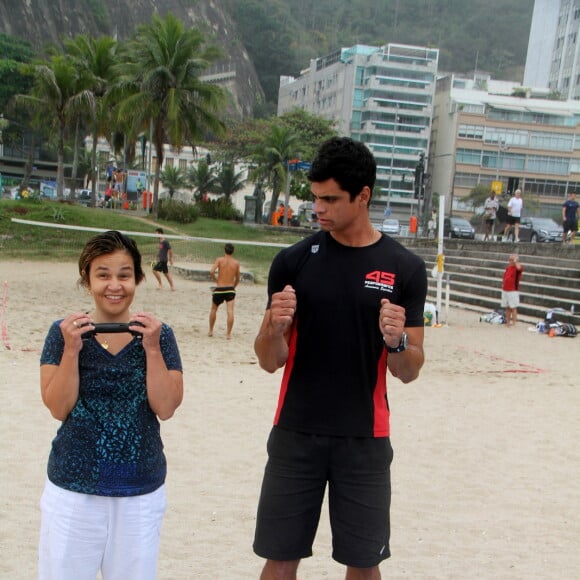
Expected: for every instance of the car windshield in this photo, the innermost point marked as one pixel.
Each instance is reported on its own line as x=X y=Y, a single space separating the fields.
x=460 y=222
x=544 y=223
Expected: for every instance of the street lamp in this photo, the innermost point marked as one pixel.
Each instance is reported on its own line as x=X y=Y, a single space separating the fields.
x=501 y=148
x=393 y=154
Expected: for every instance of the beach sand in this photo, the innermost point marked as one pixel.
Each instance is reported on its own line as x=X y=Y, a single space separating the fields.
x=486 y=475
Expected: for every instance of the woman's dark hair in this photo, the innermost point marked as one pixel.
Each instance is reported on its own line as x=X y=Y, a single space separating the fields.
x=350 y=163
x=107 y=243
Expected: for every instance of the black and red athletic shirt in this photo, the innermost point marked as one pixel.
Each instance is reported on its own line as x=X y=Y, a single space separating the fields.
x=334 y=380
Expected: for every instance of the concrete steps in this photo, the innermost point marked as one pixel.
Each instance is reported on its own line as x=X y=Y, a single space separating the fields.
x=474 y=270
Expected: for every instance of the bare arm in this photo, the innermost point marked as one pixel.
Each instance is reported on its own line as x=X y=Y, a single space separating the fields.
x=59 y=384
x=407 y=364
x=271 y=344
x=164 y=387
x=237 y=275
x=170 y=255
x=214 y=269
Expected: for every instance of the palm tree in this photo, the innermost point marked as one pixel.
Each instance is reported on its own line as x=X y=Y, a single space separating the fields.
x=56 y=95
x=173 y=179
x=271 y=158
x=160 y=80
x=96 y=61
x=202 y=179
x=227 y=181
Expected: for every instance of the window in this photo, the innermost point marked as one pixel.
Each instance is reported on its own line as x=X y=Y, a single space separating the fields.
x=183 y=164
x=169 y=162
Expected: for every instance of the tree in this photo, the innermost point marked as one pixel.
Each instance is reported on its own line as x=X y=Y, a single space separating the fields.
x=227 y=181
x=96 y=61
x=160 y=83
x=271 y=157
x=173 y=179
x=202 y=179
x=54 y=98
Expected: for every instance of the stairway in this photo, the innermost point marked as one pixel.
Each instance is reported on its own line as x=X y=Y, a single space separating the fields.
x=551 y=277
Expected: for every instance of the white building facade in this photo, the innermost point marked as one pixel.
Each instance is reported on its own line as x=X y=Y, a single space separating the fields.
x=553 y=59
x=382 y=96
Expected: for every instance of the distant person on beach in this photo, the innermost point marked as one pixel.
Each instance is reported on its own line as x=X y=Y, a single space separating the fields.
x=344 y=304
x=490 y=208
x=164 y=256
x=570 y=215
x=104 y=497
x=515 y=206
x=225 y=272
x=510 y=289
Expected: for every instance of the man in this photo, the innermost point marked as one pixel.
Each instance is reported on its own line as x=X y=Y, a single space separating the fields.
x=164 y=255
x=515 y=205
x=225 y=272
x=510 y=289
x=344 y=304
x=570 y=215
x=490 y=208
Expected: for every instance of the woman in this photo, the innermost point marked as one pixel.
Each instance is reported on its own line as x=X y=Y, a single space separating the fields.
x=104 y=498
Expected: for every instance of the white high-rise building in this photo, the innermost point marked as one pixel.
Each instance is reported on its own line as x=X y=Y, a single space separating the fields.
x=553 y=59
x=382 y=96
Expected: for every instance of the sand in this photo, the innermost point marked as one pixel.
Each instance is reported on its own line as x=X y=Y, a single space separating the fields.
x=486 y=476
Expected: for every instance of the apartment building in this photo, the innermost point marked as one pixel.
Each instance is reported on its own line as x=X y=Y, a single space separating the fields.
x=484 y=135
x=553 y=59
x=382 y=96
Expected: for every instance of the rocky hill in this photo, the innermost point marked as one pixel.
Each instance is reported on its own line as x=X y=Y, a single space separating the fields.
x=45 y=22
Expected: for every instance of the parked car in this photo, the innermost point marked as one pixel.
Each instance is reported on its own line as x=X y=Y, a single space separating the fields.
x=391 y=226
x=538 y=229
x=84 y=198
x=457 y=227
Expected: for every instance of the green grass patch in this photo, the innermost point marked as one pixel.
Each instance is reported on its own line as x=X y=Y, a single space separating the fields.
x=26 y=242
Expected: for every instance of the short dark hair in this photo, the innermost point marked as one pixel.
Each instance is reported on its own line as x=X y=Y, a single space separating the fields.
x=229 y=248
x=350 y=163
x=159 y=230
x=107 y=243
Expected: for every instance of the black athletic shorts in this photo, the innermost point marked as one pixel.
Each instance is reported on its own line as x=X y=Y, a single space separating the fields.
x=512 y=220
x=357 y=470
x=570 y=226
x=161 y=267
x=223 y=294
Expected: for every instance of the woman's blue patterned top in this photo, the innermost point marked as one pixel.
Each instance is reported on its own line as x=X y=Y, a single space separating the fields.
x=110 y=444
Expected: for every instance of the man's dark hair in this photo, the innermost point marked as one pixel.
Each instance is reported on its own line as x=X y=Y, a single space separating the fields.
x=350 y=163
x=159 y=230
x=229 y=249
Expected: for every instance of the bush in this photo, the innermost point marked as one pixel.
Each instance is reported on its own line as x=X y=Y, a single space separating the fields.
x=177 y=211
x=220 y=208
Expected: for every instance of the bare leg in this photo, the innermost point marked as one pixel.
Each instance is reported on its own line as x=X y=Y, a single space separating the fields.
x=158 y=278
x=212 y=318
x=230 y=324
x=516 y=232
x=170 y=280
x=277 y=570
x=363 y=573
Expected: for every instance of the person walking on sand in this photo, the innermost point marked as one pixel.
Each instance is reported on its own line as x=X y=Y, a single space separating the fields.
x=510 y=289
x=344 y=304
x=490 y=208
x=104 y=497
x=570 y=215
x=225 y=272
x=164 y=255
x=515 y=205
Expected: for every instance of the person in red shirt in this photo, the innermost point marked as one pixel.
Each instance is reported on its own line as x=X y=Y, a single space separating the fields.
x=510 y=289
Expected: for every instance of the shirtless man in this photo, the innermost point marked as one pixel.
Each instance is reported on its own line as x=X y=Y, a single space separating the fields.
x=225 y=272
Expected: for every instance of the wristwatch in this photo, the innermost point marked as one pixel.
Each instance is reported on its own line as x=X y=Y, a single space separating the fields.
x=402 y=345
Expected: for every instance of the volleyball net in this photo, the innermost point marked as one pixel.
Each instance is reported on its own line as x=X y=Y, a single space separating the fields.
x=63 y=242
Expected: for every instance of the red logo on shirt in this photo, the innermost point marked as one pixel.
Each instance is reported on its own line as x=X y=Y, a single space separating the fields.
x=378 y=277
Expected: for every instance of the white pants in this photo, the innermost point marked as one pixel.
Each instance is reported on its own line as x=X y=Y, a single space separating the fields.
x=83 y=534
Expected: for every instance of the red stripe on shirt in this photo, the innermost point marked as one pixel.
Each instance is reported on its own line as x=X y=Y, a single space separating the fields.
x=287 y=372
x=381 y=426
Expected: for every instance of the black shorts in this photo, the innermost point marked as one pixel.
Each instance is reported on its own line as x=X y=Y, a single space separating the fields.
x=299 y=466
x=223 y=294
x=161 y=267
x=570 y=226
x=511 y=220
